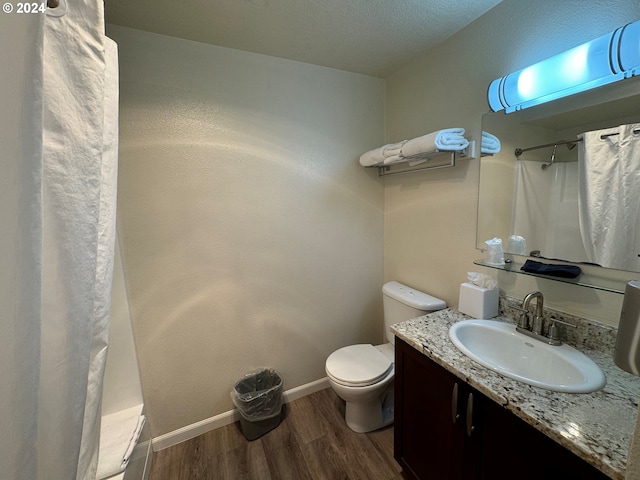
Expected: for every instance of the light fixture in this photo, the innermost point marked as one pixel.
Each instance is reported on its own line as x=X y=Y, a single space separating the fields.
x=607 y=59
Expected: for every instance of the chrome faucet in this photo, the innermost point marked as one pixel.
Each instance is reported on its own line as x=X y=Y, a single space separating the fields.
x=536 y=326
x=534 y=329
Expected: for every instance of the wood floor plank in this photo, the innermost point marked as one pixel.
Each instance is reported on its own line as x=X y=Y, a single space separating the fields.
x=324 y=460
x=312 y=442
x=284 y=456
x=243 y=463
x=383 y=442
x=226 y=439
x=188 y=460
x=360 y=454
x=303 y=419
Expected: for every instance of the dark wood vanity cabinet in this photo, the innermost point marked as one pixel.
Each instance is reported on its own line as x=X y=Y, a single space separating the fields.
x=427 y=442
x=445 y=429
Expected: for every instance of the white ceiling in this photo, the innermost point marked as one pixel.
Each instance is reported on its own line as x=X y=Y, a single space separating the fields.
x=372 y=37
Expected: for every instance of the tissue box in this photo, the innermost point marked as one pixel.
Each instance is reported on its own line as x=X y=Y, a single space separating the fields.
x=477 y=301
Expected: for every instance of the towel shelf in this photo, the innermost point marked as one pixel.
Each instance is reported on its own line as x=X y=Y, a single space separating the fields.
x=404 y=167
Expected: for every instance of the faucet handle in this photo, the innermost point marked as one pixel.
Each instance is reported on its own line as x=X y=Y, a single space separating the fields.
x=555 y=320
x=523 y=322
x=554 y=337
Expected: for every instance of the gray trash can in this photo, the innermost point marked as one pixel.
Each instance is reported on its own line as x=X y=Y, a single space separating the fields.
x=258 y=398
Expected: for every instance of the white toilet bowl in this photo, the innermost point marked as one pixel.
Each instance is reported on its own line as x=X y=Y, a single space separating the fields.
x=362 y=375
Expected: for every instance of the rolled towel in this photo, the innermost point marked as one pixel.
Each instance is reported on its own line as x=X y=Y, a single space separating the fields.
x=378 y=155
x=490 y=144
x=394 y=159
x=393 y=149
x=372 y=157
x=451 y=139
x=117 y=441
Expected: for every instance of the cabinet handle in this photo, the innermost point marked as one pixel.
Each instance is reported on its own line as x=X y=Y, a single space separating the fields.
x=454 y=404
x=470 y=427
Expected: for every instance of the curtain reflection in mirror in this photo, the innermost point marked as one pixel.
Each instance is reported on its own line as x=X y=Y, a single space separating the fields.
x=546 y=209
x=609 y=172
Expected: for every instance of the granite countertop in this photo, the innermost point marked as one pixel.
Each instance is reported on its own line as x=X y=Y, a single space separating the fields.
x=596 y=426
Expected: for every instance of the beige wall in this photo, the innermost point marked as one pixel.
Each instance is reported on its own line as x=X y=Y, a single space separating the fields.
x=250 y=235
x=430 y=218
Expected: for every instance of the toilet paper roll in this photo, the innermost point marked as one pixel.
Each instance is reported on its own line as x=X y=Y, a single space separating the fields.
x=627 y=352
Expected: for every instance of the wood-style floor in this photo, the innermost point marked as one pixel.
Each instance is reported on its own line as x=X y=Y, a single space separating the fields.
x=312 y=442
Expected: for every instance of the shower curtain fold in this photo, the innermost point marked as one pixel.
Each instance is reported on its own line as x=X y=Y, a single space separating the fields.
x=88 y=460
x=20 y=236
x=609 y=170
x=53 y=350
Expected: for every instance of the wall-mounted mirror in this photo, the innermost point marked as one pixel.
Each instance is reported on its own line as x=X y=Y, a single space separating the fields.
x=563 y=197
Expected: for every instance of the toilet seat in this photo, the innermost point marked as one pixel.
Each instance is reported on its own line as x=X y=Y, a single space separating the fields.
x=358 y=365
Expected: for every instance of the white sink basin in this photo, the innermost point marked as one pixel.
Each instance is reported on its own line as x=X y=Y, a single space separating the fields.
x=498 y=346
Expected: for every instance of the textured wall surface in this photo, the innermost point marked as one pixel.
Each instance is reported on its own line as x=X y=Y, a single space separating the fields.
x=250 y=235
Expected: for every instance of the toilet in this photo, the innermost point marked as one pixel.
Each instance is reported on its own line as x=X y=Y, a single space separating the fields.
x=362 y=375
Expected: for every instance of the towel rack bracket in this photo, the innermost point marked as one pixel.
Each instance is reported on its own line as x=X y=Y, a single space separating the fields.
x=469 y=152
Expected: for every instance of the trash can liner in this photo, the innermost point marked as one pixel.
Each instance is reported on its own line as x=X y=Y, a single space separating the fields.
x=258 y=395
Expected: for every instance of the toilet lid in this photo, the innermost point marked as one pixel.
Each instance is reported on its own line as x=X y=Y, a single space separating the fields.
x=358 y=365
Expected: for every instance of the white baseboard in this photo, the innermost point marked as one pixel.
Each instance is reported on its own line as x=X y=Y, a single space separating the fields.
x=227 y=418
x=304 y=390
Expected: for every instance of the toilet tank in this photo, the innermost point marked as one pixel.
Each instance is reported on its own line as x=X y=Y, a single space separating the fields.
x=404 y=303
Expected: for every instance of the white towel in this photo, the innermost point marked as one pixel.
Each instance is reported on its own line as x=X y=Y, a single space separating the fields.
x=372 y=157
x=394 y=159
x=449 y=139
x=393 y=149
x=117 y=441
x=378 y=155
x=490 y=144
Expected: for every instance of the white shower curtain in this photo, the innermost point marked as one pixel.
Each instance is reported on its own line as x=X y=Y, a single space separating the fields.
x=609 y=172
x=546 y=209
x=54 y=346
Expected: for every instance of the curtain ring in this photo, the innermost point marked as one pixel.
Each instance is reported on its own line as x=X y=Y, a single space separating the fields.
x=56 y=8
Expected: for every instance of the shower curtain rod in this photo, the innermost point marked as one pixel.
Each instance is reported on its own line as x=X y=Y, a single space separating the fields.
x=606 y=135
x=520 y=151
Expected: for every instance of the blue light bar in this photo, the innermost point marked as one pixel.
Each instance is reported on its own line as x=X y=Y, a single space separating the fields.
x=606 y=59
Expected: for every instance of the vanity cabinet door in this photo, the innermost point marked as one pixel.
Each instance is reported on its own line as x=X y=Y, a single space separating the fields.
x=429 y=430
x=511 y=448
